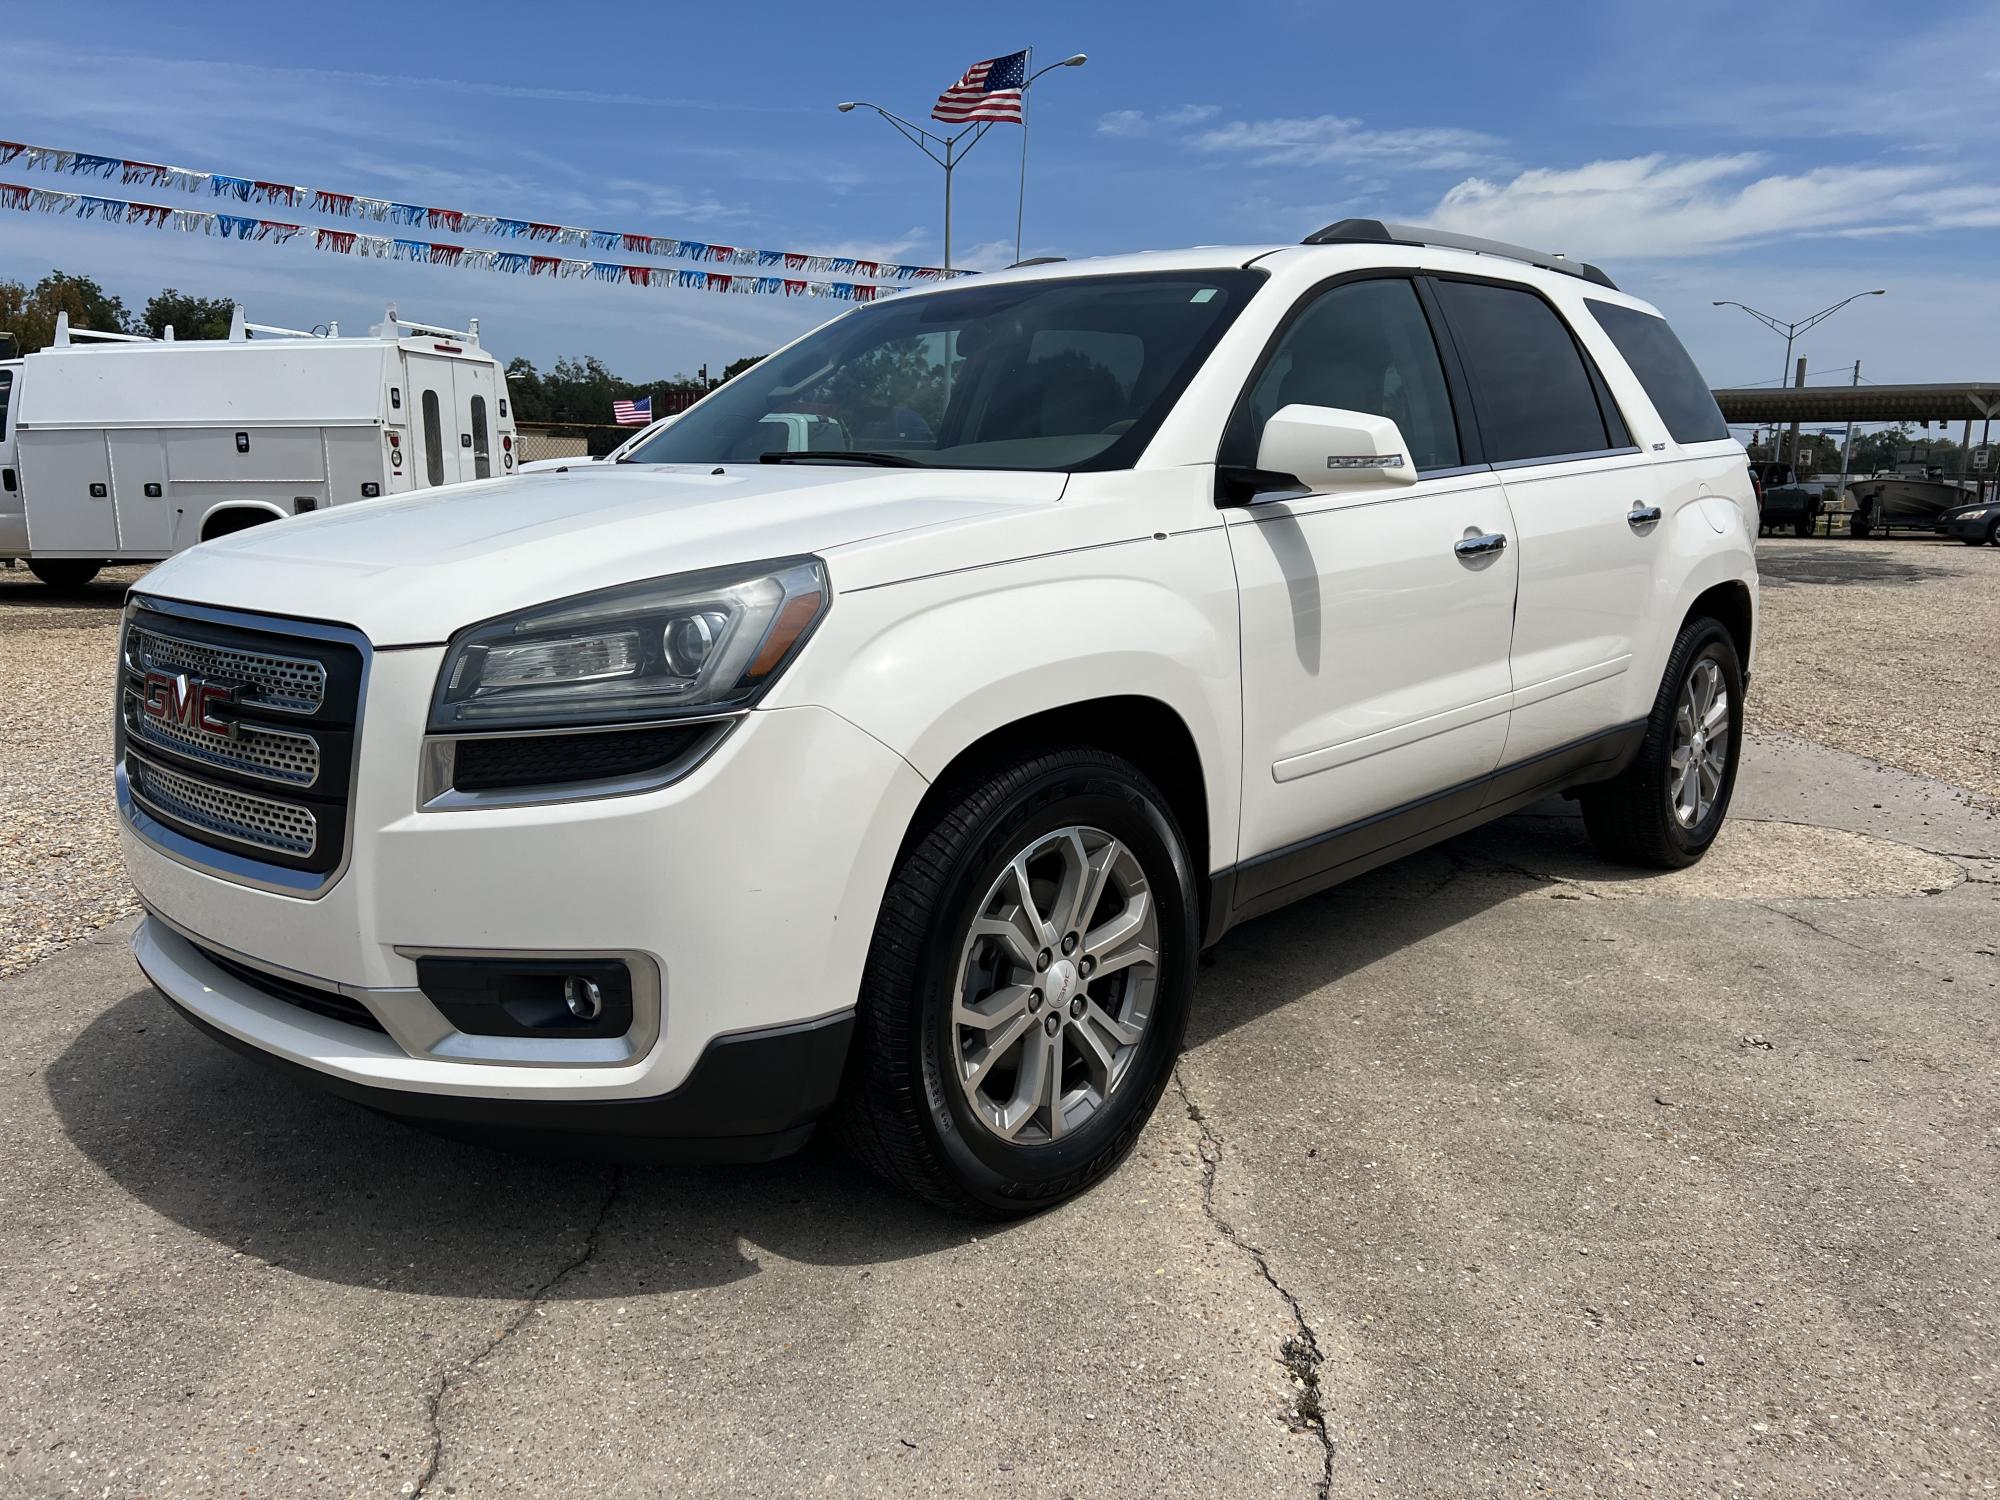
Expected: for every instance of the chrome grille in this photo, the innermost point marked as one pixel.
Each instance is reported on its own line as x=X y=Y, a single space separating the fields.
x=261 y=822
x=293 y=683
x=275 y=754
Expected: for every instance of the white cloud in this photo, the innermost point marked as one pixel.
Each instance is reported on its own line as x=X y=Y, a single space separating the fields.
x=1320 y=140
x=1136 y=122
x=1661 y=207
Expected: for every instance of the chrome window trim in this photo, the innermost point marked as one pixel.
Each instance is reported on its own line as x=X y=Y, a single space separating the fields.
x=420 y=1029
x=1566 y=458
x=239 y=869
x=436 y=766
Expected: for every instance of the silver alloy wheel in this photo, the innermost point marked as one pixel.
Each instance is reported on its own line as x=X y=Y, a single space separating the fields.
x=1701 y=745
x=1055 y=985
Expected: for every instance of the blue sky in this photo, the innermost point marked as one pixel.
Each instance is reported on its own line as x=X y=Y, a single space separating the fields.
x=1783 y=155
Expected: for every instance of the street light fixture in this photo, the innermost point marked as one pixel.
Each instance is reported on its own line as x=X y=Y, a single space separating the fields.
x=1791 y=331
x=949 y=150
x=1075 y=60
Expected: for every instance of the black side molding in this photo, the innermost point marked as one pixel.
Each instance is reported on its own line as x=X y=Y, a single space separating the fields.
x=1276 y=879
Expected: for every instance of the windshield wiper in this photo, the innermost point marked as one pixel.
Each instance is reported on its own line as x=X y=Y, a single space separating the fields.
x=841 y=456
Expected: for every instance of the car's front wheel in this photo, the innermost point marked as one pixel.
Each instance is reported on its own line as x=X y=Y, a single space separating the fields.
x=1666 y=808
x=1027 y=988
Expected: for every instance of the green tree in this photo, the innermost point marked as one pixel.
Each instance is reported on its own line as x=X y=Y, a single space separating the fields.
x=190 y=317
x=524 y=387
x=30 y=313
x=737 y=366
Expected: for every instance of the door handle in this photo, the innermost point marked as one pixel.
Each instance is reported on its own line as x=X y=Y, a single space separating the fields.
x=1642 y=516
x=1481 y=546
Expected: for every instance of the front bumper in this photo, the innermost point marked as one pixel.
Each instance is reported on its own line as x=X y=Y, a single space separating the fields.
x=1966 y=528
x=746 y=893
x=753 y=1096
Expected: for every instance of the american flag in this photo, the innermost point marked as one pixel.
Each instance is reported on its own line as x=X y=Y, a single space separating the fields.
x=990 y=90
x=633 y=413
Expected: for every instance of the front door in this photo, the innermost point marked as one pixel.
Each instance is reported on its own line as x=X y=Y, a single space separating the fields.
x=1375 y=676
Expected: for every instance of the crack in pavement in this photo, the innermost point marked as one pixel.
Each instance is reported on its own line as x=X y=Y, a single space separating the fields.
x=1300 y=1353
x=434 y=1416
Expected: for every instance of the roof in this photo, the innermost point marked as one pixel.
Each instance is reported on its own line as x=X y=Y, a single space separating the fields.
x=1952 y=401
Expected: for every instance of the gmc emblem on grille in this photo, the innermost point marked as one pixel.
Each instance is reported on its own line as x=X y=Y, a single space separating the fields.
x=177 y=698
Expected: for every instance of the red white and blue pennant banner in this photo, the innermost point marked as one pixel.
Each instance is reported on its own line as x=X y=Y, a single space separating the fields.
x=455 y=221
x=353 y=242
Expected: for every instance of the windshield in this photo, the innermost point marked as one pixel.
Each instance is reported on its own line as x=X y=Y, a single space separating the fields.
x=1053 y=375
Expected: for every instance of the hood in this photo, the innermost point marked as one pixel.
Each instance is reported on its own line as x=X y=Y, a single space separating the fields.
x=411 y=569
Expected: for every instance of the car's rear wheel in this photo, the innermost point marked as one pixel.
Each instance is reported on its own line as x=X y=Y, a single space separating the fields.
x=64 y=575
x=1666 y=808
x=1027 y=988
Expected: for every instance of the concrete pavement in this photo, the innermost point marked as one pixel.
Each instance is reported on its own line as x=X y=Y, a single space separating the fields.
x=1497 y=1172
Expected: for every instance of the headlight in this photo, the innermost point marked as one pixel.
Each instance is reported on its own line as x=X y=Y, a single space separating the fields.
x=683 y=646
x=1974 y=515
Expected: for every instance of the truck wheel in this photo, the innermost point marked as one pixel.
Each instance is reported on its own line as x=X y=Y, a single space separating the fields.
x=64 y=575
x=1027 y=989
x=1859 y=529
x=1666 y=808
x=1803 y=526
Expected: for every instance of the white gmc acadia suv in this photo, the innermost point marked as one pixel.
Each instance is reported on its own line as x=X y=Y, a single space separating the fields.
x=896 y=772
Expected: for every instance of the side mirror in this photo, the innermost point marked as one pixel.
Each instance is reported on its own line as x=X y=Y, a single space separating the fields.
x=1330 y=450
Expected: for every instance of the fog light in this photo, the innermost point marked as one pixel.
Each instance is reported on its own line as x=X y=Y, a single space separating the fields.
x=584 y=999
x=546 y=997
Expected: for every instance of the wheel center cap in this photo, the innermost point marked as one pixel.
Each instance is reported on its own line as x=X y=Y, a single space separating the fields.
x=1060 y=982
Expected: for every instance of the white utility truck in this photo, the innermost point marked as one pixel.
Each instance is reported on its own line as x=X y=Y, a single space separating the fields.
x=127 y=450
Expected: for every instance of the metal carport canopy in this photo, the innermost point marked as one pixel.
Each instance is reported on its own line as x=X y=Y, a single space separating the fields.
x=1952 y=402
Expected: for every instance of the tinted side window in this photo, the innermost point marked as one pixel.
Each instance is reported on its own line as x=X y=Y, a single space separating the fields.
x=1362 y=346
x=433 y=440
x=1532 y=392
x=482 y=462
x=6 y=394
x=1678 y=392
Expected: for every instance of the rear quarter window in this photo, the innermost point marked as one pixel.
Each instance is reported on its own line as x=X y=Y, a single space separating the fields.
x=1671 y=381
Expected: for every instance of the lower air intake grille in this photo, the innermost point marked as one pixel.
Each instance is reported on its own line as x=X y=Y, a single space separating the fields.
x=262 y=822
x=329 y=1003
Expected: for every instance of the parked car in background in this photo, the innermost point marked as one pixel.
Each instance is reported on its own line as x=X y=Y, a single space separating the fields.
x=120 y=449
x=1974 y=524
x=895 y=773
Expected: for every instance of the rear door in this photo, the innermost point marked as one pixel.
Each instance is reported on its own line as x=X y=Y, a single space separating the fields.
x=434 y=423
x=1578 y=488
x=13 y=523
x=1374 y=651
x=478 y=440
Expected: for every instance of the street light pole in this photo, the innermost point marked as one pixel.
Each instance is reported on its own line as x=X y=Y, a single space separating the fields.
x=1021 y=198
x=946 y=150
x=1792 y=330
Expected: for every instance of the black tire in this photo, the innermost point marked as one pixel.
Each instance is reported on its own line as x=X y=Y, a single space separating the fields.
x=1803 y=526
x=1628 y=818
x=64 y=575
x=1993 y=532
x=1859 y=529
x=902 y=1112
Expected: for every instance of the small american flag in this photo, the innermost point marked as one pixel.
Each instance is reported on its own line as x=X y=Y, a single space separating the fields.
x=633 y=413
x=990 y=90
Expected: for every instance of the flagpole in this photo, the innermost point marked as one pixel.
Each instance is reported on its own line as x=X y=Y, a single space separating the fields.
x=1021 y=196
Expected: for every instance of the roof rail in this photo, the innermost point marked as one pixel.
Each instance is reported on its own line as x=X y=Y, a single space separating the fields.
x=1039 y=260
x=392 y=325
x=1375 y=232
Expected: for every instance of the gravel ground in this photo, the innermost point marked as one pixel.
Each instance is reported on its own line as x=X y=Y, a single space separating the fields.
x=1884 y=649
x=1880 y=648
x=60 y=876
